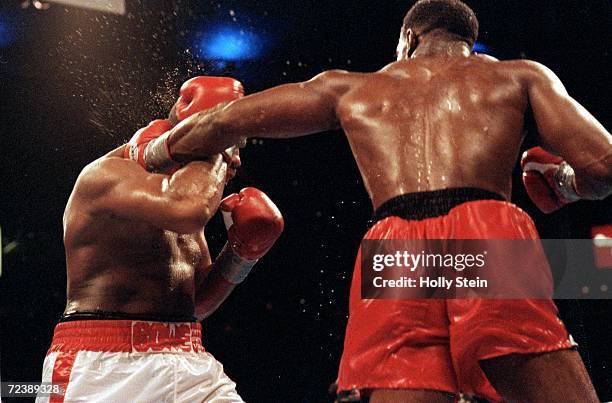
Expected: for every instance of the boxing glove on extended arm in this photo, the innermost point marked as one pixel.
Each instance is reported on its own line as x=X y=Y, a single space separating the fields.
x=196 y=95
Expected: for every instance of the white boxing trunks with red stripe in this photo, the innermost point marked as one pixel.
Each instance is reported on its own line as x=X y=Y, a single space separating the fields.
x=134 y=361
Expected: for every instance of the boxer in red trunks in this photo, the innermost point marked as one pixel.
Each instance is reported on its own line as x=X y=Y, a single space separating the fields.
x=436 y=136
x=140 y=275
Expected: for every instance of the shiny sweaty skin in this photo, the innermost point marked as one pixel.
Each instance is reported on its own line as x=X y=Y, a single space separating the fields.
x=438 y=118
x=119 y=258
x=431 y=124
x=421 y=124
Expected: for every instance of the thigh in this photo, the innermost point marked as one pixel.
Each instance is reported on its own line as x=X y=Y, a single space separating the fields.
x=413 y=396
x=119 y=376
x=201 y=378
x=481 y=329
x=550 y=377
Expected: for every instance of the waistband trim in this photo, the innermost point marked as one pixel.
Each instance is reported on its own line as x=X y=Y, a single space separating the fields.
x=422 y=205
x=112 y=315
x=133 y=336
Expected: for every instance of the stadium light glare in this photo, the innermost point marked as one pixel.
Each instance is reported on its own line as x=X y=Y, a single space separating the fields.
x=229 y=44
x=482 y=48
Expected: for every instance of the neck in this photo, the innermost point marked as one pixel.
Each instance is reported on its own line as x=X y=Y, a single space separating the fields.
x=437 y=44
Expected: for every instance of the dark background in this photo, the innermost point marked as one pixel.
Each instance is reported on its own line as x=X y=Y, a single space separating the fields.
x=75 y=84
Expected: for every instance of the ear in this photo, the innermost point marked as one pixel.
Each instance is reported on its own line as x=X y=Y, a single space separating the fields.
x=412 y=41
x=403 y=45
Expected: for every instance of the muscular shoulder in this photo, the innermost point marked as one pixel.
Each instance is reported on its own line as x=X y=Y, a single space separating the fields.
x=92 y=184
x=334 y=82
x=333 y=77
x=528 y=70
x=101 y=175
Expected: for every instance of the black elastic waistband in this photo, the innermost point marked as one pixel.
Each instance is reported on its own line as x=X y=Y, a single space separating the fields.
x=422 y=205
x=106 y=315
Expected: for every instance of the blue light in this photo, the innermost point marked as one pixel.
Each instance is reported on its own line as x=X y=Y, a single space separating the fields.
x=229 y=44
x=5 y=37
x=482 y=48
x=7 y=30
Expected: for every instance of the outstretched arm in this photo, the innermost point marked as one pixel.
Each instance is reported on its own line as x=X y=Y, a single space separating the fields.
x=569 y=130
x=183 y=202
x=285 y=111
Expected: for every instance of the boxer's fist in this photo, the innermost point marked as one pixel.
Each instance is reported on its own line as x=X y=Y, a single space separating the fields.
x=548 y=179
x=253 y=222
x=197 y=94
x=203 y=92
x=135 y=148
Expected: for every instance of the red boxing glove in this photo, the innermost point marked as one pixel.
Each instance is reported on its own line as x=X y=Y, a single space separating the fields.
x=203 y=92
x=548 y=179
x=253 y=222
x=196 y=94
x=135 y=148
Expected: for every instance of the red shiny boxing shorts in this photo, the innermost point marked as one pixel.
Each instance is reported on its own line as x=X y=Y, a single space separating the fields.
x=436 y=344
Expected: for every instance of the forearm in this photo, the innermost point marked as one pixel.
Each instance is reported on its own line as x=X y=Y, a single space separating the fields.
x=212 y=293
x=594 y=182
x=572 y=132
x=254 y=223
x=200 y=136
x=226 y=273
x=286 y=111
x=199 y=187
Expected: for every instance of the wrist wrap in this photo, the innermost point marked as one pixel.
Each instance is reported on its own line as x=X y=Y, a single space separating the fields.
x=157 y=156
x=232 y=267
x=565 y=182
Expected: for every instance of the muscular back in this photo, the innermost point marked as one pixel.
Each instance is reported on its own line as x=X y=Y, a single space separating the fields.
x=421 y=124
x=428 y=124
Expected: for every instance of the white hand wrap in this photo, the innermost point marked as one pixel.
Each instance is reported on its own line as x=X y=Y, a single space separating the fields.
x=157 y=155
x=565 y=182
x=232 y=267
